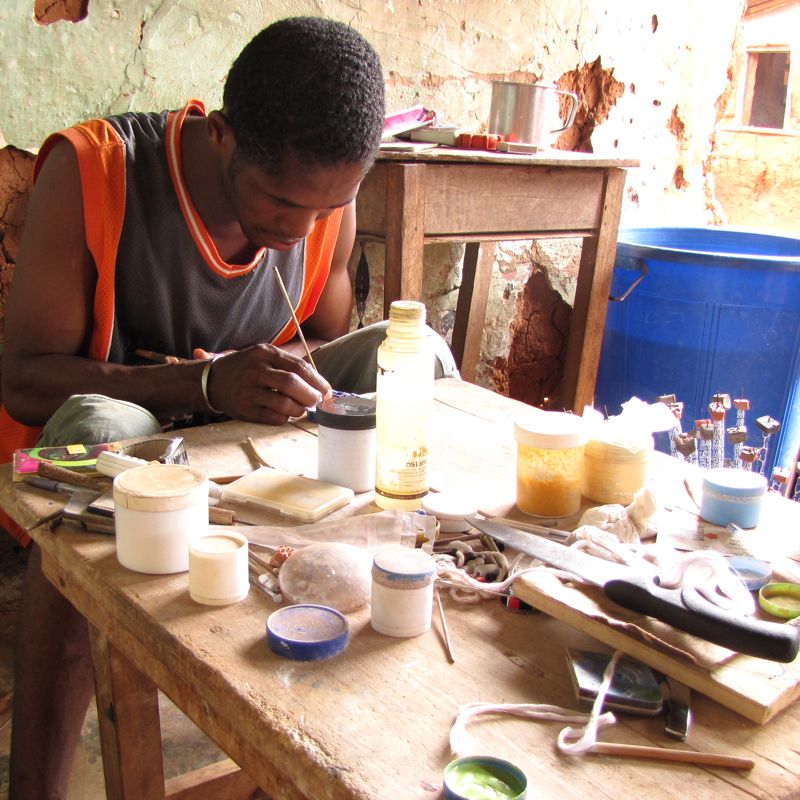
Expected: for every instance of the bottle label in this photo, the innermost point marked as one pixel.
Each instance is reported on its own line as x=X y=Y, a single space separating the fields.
x=403 y=474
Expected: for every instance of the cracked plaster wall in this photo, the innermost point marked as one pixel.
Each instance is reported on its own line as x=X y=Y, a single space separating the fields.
x=757 y=170
x=650 y=75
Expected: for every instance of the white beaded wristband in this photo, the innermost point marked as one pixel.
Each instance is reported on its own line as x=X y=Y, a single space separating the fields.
x=204 y=382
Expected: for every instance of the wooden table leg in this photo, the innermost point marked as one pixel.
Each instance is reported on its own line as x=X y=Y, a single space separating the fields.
x=471 y=308
x=591 y=300
x=130 y=726
x=405 y=230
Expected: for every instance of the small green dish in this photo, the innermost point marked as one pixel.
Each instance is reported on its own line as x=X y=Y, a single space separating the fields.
x=484 y=778
x=780 y=599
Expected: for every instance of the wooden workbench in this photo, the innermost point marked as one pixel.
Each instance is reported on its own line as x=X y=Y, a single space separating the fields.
x=374 y=721
x=451 y=195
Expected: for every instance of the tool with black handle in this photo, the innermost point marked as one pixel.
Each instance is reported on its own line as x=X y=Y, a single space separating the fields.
x=683 y=608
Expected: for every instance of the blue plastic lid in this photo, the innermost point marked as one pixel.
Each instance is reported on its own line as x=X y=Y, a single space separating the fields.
x=403 y=565
x=307 y=632
x=735 y=482
x=754 y=572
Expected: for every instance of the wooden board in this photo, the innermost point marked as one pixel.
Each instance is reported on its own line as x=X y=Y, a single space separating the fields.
x=755 y=688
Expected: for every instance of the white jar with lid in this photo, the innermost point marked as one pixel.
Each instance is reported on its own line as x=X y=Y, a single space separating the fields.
x=346 y=446
x=549 y=463
x=157 y=508
x=218 y=568
x=613 y=473
x=402 y=591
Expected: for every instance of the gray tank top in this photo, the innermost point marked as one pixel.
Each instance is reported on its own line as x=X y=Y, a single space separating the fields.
x=167 y=297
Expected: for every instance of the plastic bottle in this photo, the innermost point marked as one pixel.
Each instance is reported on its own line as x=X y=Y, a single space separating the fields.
x=404 y=403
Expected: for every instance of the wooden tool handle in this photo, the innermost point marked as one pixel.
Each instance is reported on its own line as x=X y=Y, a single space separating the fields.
x=220 y=516
x=667 y=754
x=47 y=470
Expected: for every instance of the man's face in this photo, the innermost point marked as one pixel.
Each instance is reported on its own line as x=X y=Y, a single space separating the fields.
x=279 y=210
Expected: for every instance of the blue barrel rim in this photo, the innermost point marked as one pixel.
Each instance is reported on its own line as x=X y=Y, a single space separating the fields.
x=630 y=248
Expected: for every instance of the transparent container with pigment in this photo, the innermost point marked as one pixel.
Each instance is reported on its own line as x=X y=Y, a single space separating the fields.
x=549 y=463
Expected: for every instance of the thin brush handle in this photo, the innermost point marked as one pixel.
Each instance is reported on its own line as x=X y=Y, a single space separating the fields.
x=667 y=754
x=294 y=316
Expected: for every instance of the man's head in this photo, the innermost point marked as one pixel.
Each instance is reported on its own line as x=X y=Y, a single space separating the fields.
x=306 y=87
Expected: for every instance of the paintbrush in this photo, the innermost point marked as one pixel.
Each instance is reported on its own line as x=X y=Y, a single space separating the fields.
x=294 y=316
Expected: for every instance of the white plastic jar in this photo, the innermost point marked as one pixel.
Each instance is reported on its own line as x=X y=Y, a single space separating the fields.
x=218 y=568
x=157 y=508
x=613 y=473
x=346 y=446
x=402 y=591
x=549 y=463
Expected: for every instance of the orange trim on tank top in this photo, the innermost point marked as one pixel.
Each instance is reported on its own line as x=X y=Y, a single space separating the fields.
x=200 y=235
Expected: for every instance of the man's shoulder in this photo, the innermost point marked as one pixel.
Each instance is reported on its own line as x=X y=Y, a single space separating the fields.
x=140 y=125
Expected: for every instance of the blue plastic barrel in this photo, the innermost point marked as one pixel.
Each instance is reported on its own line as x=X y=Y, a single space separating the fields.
x=718 y=311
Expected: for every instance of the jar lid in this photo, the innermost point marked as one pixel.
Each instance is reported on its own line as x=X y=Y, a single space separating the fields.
x=484 y=776
x=735 y=482
x=404 y=564
x=346 y=413
x=754 y=572
x=160 y=487
x=780 y=599
x=450 y=509
x=550 y=430
x=307 y=632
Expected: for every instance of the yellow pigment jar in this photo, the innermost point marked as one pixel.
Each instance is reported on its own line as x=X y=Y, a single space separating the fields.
x=613 y=473
x=549 y=463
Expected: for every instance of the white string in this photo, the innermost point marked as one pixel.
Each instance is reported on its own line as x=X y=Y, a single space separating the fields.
x=705 y=571
x=586 y=738
x=461 y=744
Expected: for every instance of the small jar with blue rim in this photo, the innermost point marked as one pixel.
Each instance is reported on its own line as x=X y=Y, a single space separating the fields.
x=732 y=496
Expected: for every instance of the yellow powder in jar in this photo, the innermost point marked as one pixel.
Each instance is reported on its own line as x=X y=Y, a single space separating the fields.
x=549 y=481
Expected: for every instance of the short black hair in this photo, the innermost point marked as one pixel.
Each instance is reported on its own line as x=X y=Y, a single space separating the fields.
x=306 y=86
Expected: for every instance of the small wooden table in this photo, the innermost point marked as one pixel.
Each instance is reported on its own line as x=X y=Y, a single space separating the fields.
x=449 y=195
x=374 y=721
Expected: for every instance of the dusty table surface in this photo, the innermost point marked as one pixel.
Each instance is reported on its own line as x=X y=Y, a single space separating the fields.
x=374 y=721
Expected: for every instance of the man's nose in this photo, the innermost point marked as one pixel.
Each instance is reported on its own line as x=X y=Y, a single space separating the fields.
x=298 y=223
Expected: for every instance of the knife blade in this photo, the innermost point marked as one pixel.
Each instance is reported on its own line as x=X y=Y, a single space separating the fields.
x=683 y=608
x=677 y=709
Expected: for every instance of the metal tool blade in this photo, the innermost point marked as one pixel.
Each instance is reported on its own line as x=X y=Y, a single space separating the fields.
x=677 y=709
x=590 y=568
x=683 y=608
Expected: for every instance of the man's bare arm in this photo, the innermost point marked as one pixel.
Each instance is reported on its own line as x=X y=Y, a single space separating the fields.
x=49 y=318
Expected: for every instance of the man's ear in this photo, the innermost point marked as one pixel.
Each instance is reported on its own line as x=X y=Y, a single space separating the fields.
x=220 y=133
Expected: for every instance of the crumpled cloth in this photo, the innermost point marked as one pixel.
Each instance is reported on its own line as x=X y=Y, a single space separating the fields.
x=629 y=524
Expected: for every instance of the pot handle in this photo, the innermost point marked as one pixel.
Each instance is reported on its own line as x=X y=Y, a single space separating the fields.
x=573 y=110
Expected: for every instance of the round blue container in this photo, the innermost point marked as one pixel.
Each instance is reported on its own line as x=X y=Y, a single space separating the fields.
x=732 y=496
x=307 y=632
x=717 y=312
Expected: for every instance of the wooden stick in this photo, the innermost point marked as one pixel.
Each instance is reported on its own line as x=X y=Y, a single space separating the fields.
x=294 y=316
x=55 y=473
x=258 y=457
x=667 y=754
x=447 y=644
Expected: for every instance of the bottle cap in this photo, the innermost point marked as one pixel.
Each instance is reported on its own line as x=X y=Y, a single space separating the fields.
x=780 y=599
x=307 y=632
x=407 y=311
x=346 y=413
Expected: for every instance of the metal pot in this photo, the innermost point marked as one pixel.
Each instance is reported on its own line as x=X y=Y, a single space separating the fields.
x=528 y=112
